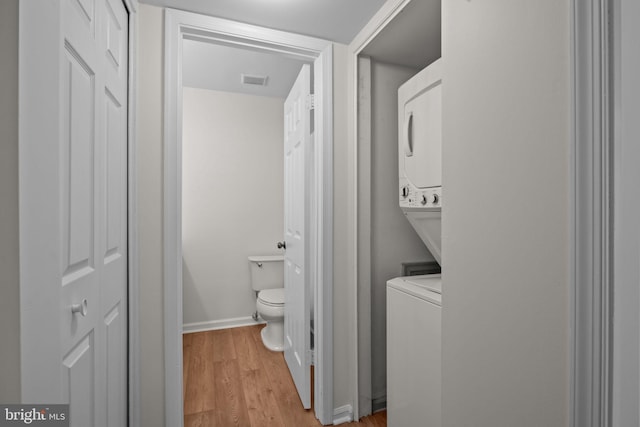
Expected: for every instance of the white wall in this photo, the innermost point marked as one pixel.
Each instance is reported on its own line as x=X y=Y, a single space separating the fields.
x=506 y=113
x=343 y=352
x=393 y=240
x=232 y=198
x=149 y=114
x=9 y=243
x=150 y=125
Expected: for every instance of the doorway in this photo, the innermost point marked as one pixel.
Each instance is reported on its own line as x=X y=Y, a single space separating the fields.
x=232 y=177
x=233 y=206
x=181 y=26
x=403 y=38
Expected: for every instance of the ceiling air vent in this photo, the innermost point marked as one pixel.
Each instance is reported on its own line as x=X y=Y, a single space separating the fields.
x=248 y=79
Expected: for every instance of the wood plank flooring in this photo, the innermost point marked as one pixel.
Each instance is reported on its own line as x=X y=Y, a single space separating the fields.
x=231 y=379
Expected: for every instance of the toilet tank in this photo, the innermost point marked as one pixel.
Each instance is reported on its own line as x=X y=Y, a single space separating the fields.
x=267 y=272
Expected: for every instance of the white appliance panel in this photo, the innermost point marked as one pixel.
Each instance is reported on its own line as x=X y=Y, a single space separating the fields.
x=420 y=154
x=413 y=353
x=428 y=225
x=421 y=136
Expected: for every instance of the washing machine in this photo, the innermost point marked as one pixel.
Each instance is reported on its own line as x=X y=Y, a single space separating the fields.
x=414 y=305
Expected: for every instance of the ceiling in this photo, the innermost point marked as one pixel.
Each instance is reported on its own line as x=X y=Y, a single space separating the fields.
x=412 y=38
x=218 y=67
x=335 y=20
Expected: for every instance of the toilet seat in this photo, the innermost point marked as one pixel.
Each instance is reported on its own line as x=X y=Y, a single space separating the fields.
x=272 y=297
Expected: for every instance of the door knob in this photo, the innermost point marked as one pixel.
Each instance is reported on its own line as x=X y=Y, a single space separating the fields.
x=282 y=245
x=80 y=308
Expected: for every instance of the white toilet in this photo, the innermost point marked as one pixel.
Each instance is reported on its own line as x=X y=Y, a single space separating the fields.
x=267 y=279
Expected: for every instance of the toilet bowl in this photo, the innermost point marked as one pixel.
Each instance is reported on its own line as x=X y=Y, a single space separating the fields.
x=270 y=306
x=267 y=280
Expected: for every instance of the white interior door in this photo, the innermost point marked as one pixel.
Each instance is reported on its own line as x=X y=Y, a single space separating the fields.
x=74 y=205
x=297 y=151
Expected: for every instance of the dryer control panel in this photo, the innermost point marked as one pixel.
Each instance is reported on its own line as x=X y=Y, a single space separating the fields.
x=410 y=196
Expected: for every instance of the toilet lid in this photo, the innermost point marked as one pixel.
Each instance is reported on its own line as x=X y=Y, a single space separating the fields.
x=272 y=296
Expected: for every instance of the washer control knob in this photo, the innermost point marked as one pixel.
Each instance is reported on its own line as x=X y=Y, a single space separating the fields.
x=423 y=200
x=405 y=192
x=434 y=198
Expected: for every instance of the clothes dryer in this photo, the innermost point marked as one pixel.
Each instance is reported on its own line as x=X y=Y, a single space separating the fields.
x=420 y=154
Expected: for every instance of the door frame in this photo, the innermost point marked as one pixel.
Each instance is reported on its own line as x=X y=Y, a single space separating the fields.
x=591 y=218
x=359 y=176
x=625 y=375
x=605 y=296
x=41 y=38
x=180 y=25
x=134 y=263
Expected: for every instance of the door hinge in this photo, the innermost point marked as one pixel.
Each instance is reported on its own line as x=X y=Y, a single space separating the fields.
x=311 y=102
x=311 y=357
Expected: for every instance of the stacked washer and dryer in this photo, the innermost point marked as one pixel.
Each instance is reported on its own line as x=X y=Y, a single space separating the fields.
x=414 y=303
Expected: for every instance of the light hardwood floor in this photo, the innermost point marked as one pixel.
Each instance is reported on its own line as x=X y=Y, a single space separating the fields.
x=231 y=379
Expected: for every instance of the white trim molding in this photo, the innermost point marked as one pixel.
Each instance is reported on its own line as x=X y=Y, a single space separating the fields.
x=591 y=214
x=343 y=414
x=323 y=263
x=172 y=218
x=180 y=25
x=214 y=325
x=365 y=395
x=134 y=270
x=625 y=378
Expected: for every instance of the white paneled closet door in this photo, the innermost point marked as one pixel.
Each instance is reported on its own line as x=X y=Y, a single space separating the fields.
x=80 y=215
x=94 y=210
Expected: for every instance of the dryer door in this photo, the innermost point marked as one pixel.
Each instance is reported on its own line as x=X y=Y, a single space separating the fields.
x=420 y=128
x=420 y=133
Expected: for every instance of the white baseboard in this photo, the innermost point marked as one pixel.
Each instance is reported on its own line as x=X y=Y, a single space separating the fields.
x=378 y=404
x=213 y=325
x=343 y=414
